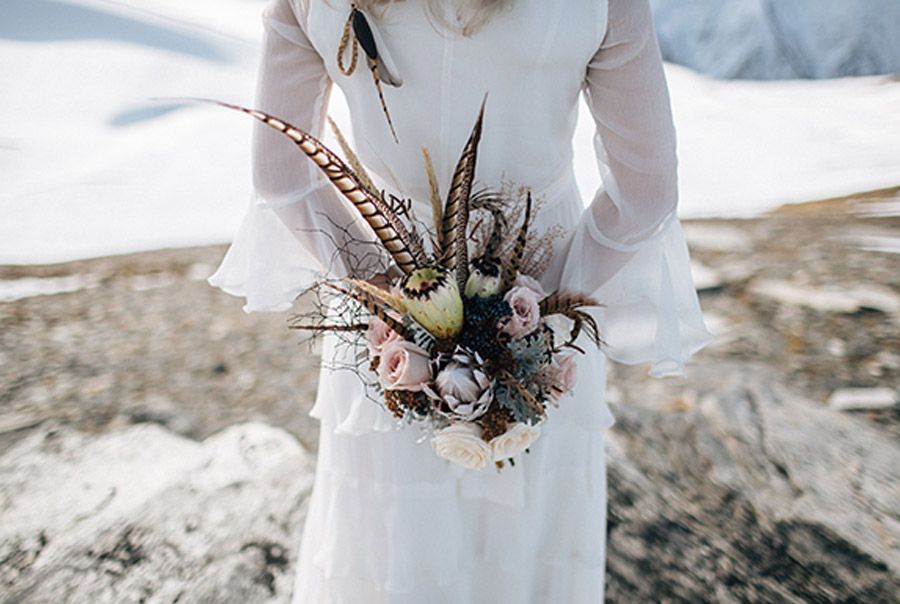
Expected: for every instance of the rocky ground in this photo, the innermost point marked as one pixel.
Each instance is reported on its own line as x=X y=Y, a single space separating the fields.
x=712 y=497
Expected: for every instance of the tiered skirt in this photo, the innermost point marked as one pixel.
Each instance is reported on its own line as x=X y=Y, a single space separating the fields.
x=389 y=521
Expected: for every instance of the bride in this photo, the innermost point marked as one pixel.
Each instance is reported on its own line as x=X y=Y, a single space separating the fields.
x=389 y=521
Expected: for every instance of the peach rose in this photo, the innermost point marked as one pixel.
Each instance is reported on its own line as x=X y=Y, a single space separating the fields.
x=403 y=366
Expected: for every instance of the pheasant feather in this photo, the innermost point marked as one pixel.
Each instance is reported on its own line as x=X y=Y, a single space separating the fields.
x=455 y=220
x=404 y=248
x=373 y=306
x=363 y=32
x=333 y=327
x=515 y=259
x=569 y=305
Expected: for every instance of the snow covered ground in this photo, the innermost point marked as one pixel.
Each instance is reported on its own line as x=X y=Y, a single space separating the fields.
x=90 y=166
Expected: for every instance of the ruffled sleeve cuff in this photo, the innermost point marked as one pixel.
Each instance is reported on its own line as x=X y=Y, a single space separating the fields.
x=265 y=264
x=651 y=312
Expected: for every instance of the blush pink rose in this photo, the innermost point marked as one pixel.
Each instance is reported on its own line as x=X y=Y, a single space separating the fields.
x=526 y=313
x=379 y=335
x=558 y=378
x=564 y=375
x=568 y=371
x=532 y=284
x=403 y=366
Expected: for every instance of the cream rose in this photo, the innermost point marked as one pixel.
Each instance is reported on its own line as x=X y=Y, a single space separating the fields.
x=403 y=366
x=379 y=335
x=526 y=314
x=515 y=440
x=462 y=444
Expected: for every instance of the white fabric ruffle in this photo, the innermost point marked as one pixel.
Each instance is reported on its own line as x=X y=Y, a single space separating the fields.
x=408 y=492
x=651 y=312
x=265 y=263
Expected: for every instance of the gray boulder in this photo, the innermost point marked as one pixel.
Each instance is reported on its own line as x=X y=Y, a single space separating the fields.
x=751 y=494
x=143 y=515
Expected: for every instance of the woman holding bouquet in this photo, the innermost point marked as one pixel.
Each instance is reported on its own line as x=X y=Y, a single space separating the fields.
x=389 y=520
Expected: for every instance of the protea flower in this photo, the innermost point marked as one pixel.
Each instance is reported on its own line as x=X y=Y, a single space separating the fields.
x=484 y=278
x=463 y=386
x=432 y=298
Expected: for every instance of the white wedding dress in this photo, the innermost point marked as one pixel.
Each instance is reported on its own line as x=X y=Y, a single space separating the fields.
x=388 y=520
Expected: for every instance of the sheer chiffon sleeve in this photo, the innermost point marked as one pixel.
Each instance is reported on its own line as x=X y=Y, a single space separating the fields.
x=297 y=228
x=629 y=249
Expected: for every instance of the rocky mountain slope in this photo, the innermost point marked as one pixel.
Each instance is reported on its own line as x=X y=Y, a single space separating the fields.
x=778 y=39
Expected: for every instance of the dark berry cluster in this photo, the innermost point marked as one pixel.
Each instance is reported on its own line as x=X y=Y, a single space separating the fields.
x=480 y=330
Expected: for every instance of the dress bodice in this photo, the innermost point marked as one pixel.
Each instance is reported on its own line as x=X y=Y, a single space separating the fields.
x=530 y=61
x=624 y=246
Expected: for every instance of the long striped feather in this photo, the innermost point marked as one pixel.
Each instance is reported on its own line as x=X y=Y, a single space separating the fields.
x=514 y=261
x=373 y=306
x=362 y=29
x=373 y=65
x=405 y=249
x=456 y=212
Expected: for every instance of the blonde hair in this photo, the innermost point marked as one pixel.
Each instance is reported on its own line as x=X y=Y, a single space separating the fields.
x=470 y=17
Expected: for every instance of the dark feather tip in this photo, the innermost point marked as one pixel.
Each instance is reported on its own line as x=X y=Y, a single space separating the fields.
x=364 y=33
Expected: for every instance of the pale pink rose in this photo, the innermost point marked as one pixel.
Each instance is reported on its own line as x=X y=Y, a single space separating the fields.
x=464 y=386
x=403 y=366
x=379 y=335
x=558 y=378
x=526 y=313
x=568 y=371
x=531 y=283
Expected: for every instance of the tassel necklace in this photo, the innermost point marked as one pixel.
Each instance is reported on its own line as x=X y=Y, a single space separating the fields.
x=358 y=31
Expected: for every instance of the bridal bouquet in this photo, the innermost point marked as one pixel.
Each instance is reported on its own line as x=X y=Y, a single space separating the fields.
x=464 y=340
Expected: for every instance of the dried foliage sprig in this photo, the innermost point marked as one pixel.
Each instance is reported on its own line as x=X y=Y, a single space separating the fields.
x=434 y=195
x=352 y=159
